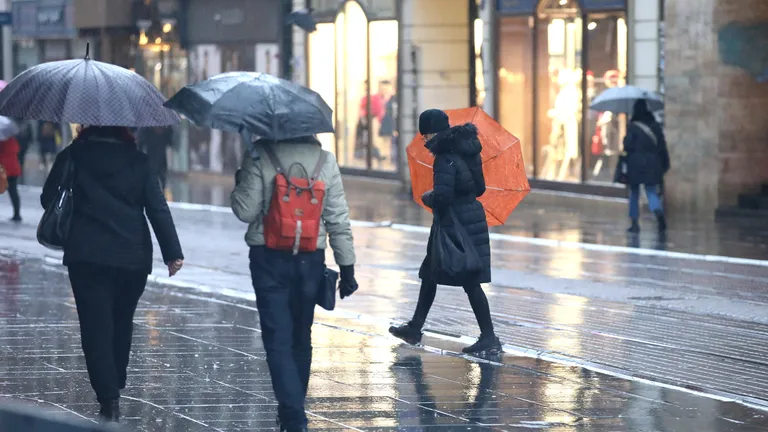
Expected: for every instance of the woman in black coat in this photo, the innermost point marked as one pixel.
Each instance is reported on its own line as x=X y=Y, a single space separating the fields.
x=458 y=182
x=109 y=248
x=647 y=161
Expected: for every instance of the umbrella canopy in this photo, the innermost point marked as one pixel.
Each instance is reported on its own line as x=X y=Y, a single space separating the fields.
x=8 y=128
x=261 y=104
x=303 y=19
x=505 y=177
x=85 y=92
x=622 y=100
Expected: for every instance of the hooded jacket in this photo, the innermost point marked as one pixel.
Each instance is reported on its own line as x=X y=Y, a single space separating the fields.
x=458 y=182
x=114 y=188
x=254 y=187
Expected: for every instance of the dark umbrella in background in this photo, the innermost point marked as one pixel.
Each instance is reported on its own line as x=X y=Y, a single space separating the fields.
x=303 y=19
x=85 y=92
x=254 y=103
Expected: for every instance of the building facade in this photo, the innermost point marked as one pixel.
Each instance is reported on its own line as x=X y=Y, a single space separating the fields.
x=716 y=89
x=534 y=65
x=44 y=30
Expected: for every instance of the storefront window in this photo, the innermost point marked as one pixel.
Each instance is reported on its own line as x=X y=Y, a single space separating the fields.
x=558 y=93
x=342 y=54
x=515 y=82
x=606 y=62
x=383 y=59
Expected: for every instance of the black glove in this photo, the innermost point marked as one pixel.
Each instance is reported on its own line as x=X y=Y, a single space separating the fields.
x=427 y=198
x=348 y=284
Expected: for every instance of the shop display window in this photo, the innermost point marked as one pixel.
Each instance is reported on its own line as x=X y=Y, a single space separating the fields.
x=353 y=66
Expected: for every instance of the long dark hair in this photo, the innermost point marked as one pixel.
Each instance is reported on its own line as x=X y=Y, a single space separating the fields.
x=114 y=132
x=641 y=113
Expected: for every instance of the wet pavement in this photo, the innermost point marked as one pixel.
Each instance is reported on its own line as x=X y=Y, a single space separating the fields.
x=542 y=215
x=198 y=365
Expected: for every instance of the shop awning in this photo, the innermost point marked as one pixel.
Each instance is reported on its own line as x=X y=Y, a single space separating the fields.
x=528 y=7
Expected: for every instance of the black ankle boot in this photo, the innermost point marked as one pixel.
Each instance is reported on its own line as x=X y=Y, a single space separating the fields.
x=661 y=220
x=110 y=411
x=634 y=228
x=487 y=344
x=407 y=332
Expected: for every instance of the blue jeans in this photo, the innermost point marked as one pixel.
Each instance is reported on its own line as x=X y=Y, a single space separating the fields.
x=654 y=202
x=286 y=293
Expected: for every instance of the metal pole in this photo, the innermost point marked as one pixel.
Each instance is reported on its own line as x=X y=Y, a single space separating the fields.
x=7 y=45
x=286 y=41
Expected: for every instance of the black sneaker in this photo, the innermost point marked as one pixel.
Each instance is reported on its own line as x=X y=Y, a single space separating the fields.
x=406 y=332
x=485 y=345
x=16 y=218
x=634 y=228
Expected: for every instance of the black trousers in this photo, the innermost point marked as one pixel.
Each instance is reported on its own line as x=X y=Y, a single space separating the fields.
x=106 y=299
x=477 y=300
x=13 y=192
x=286 y=293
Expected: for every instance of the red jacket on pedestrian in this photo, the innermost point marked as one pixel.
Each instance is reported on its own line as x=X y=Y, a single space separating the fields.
x=9 y=157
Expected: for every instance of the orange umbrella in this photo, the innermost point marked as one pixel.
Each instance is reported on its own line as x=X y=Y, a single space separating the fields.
x=505 y=176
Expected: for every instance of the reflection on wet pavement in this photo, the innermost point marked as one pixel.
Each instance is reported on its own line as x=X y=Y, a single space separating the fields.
x=540 y=215
x=198 y=365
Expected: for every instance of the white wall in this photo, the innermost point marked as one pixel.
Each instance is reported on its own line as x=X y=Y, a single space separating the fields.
x=644 y=43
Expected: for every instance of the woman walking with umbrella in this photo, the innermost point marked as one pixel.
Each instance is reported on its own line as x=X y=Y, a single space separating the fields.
x=458 y=182
x=103 y=231
x=647 y=160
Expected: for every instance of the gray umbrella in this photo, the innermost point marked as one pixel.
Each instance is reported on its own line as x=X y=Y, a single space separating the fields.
x=85 y=92
x=258 y=103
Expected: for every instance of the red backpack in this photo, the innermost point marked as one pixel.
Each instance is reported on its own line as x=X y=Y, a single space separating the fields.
x=292 y=222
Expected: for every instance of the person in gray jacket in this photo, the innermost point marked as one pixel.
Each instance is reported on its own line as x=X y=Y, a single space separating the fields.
x=287 y=284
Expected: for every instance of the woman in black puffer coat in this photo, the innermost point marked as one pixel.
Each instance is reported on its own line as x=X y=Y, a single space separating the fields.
x=459 y=181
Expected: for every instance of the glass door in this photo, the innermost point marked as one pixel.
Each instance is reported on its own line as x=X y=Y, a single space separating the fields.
x=353 y=125
x=558 y=90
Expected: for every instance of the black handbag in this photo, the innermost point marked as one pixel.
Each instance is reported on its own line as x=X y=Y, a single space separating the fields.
x=326 y=296
x=54 y=226
x=452 y=253
x=620 y=175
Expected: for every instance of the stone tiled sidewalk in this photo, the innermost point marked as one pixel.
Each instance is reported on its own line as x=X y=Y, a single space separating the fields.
x=198 y=365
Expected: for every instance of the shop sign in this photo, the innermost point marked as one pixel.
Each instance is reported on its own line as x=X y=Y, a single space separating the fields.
x=516 y=7
x=230 y=17
x=6 y=18
x=326 y=10
x=603 y=5
x=48 y=16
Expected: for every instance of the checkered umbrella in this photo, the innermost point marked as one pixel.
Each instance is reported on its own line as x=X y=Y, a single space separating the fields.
x=85 y=92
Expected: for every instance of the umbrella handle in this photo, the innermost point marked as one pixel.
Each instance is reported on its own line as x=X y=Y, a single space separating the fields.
x=88 y=51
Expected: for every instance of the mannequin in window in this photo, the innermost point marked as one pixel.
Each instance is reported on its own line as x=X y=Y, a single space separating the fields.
x=565 y=115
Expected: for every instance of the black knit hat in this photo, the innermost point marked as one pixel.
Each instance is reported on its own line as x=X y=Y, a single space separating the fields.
x=433 y=121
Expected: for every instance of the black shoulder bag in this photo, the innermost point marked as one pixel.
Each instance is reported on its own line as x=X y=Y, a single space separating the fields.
x=54 y=226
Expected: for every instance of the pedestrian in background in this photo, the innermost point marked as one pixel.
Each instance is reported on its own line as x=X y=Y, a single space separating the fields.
x=287 y=280
x=458 y=182
x=155 y=142
x=109 y=248
x=26 y=137
x=9 y=160
x=48 y=139
x=647 y=161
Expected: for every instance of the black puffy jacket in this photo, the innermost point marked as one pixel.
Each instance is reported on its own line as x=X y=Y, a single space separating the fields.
x=114 y=187
x=459 y=181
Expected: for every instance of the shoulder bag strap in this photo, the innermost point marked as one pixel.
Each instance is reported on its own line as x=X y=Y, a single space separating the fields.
x=648 y=131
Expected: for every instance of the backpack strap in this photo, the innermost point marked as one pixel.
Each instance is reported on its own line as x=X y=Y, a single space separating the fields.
x=318 y=168
x=273 y=159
